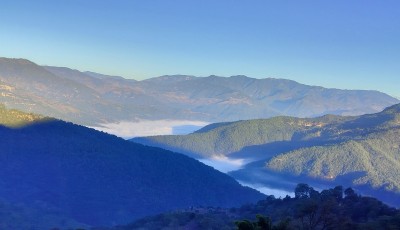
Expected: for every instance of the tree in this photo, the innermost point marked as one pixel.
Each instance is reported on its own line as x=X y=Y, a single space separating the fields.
x=303 y=191
x=338 y=193
x=307 y=212
x=350 y=194
x=244 y=225
x=263 y=223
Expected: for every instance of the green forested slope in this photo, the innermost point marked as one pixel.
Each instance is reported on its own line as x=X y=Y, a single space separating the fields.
x=227 y=138
x=376 y=157
x=361 y=151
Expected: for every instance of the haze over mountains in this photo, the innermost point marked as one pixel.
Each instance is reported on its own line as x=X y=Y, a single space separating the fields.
x=79 y=177
x=359 y=151
x=65 y=175
x=94 y=99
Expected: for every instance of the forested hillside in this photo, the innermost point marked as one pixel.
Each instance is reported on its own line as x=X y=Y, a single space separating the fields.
x=233 y=137
x=334 y=208
x=97 y=179
x=360 y=151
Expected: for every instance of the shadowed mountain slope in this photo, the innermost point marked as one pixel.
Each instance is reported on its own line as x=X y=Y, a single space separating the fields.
x=99 y=179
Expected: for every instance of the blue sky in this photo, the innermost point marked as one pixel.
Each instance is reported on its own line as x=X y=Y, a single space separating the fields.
x=349 y=44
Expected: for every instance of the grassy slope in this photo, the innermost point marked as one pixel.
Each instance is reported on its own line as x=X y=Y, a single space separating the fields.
x=16 y=118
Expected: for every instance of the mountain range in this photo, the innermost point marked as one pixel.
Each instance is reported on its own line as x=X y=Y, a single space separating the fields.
x=94 y=99
x=62 y=167
x=58 y=174
x=359 y=151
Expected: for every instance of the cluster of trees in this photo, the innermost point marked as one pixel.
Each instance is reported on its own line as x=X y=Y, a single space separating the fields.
x=334 y=208
x=262 y=223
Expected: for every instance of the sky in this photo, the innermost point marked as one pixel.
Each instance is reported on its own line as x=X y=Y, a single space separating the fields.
x=347 y=44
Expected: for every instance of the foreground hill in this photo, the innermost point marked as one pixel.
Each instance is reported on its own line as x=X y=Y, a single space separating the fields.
x=360 y=151
x=98 y=179
x=38 y=216
x=93 y=99
x=310 y=209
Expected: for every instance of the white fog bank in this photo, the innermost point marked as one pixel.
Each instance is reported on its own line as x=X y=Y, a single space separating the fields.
x=141 y=128
x=224 y=164
x=268 y=190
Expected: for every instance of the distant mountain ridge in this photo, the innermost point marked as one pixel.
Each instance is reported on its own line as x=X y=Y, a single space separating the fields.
x=91 y=99
x=85 y=176
x=359 y=151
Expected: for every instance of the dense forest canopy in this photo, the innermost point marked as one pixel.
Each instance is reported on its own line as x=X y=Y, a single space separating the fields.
x=332 y=209
x=62 y=171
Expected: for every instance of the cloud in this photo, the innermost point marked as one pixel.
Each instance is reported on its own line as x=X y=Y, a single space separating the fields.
x=225 y=164
x=268 y=190
x=129 y=129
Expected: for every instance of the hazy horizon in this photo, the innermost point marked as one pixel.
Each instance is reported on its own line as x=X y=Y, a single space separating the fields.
x=397 y=96
x=346 y=45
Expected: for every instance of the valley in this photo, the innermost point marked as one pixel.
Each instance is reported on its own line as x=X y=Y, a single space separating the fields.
x=358 y=151
x=120 y=153
x=140 y=128
x=199 y=115
x=55 y=168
